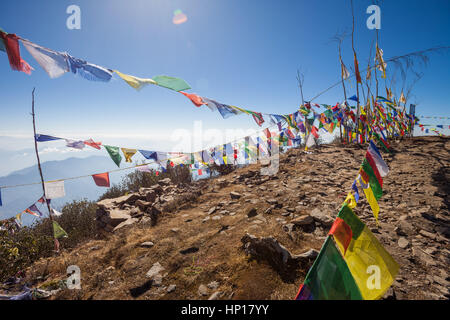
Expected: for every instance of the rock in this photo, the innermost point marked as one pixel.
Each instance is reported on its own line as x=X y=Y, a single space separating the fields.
x=147 y=244
x=272 y=201
x=235 y=195
x=202 y=290
x=154 y=270
x=403 y=243
x=251 y=212
x=175 y=230
x=150 y=195
x=213 y=285
x=189 y=250
x=303 y=221
x=125 y=223
x=115 y=217
x=215 y=295
x=143 y=205
x=165 y=182
x=217 y=217
x=212 y=210
x=270 y=250
x=322 y=218
x=171 y=288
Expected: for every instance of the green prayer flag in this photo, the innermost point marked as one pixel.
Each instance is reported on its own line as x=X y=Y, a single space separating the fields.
x=352 y=220
x=175 y=84
x=114 y=154
x=59 y=232
x=373 y=181
x=329 y=277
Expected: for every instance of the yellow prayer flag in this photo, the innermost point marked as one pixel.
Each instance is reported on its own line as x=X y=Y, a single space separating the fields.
x=371 y=200
x=371 y=266
x=128 y=153
x=135 y=82
x=350 y=200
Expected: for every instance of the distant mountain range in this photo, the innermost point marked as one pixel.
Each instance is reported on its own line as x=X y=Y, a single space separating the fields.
x=16 y=200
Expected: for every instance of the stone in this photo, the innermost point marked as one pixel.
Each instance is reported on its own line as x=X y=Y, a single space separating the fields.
x=171 y=288
x=202 y=290
x=154 y=270
x=251 y=212
x=212 y=210
x=217 y=217
x=213 y=285
x=175 y=230
x=125 y=223
x=322 y=218
x=303 y=220
x=403 y=242
x=235 y=195
x=165 y=182
x=215 y=295
x=147 y=244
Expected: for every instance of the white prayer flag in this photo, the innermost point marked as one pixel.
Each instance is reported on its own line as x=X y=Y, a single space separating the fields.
x=54 y=189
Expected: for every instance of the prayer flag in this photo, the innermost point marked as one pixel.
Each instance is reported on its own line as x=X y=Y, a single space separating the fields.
x=101 y=179
x=149 y=154
x=45 y=138
x=175 y=84
x=128 y=153
x=54 y=63
x=58 y=232
x=329 y=277
x=196 y=100
x=135 y=82
x=93 y=144
x=370 y=264
x=114 y=154
x=54 y=189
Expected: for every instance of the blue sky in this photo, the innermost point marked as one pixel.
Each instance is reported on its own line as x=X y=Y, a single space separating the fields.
x=243 y=53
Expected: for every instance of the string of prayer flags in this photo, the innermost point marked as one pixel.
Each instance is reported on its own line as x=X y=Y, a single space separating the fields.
x=128 y=153
x=102 y=179
x=54 y=189
x=135 y=82
x=54 y=63
x=114 y=154
x=369 y=196
x=58 y=232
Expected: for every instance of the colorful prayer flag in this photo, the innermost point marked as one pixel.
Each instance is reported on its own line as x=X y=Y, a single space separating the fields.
x=101 y=179
x=114 y=154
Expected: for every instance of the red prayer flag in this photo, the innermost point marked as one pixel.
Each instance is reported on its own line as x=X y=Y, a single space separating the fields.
x=341 y=232
x=314 y=132
x=374 y=168
x=11 y=42
x=196 y=100
x=93 y=144
x=101 y=179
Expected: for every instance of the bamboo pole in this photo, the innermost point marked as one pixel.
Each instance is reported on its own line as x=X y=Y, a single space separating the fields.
x=40 y=172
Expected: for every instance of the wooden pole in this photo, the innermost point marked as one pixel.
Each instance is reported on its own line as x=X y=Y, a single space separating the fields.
x=357 y=86
x=40 y=172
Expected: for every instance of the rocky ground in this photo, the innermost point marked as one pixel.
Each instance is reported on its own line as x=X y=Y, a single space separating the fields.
x=248 y=236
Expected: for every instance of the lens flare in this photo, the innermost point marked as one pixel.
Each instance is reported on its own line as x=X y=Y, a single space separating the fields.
x=179 y=17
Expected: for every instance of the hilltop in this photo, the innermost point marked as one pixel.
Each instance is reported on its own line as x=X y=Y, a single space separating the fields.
x=248 y=236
